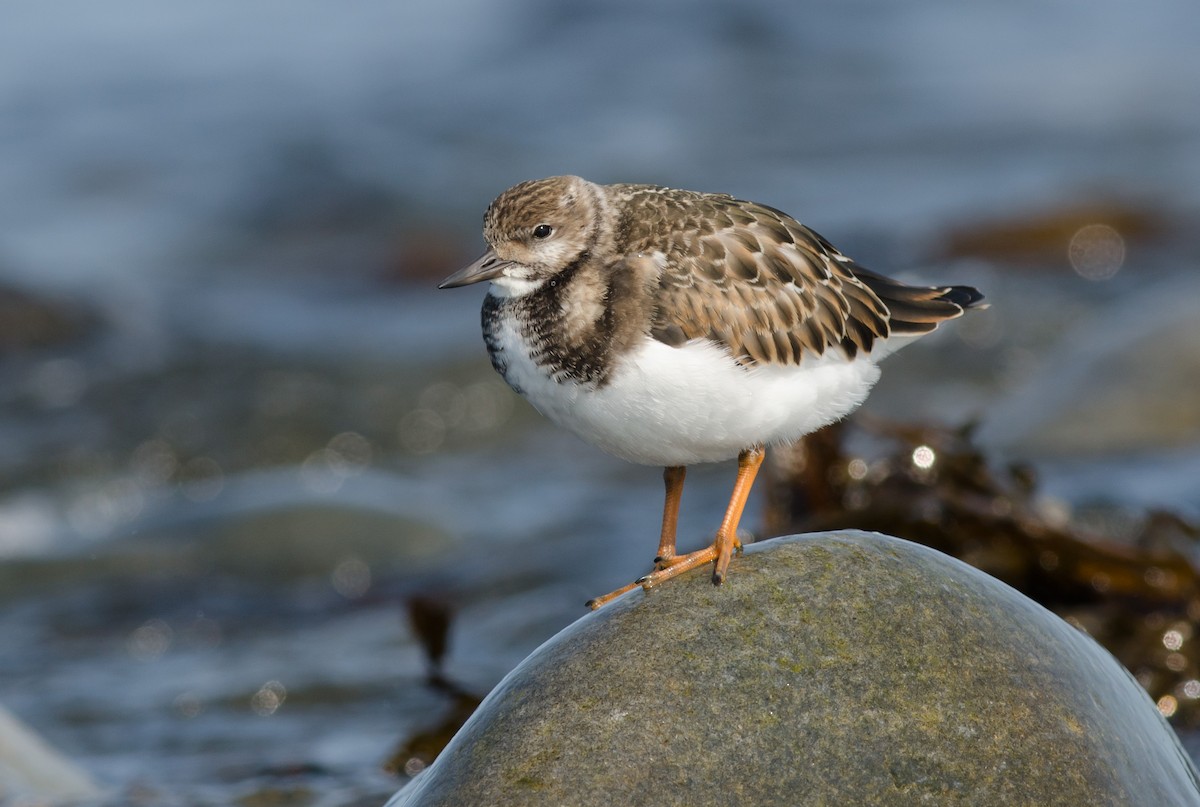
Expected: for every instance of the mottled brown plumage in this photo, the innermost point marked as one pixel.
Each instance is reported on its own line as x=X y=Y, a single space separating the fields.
x=672 y=327
x=739 y=273
x=753 y=278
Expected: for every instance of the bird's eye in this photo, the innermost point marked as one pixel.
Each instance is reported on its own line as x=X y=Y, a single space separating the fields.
x=542 y=231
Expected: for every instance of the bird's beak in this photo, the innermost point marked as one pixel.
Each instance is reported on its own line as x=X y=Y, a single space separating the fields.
x=488 y=267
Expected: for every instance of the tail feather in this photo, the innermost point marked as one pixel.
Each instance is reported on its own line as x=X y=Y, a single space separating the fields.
x=919 y=309
x=965 y=296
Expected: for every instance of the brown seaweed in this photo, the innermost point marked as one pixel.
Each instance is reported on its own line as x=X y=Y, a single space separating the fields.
x=431 y=619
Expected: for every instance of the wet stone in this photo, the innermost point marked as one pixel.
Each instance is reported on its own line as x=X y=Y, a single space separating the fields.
x=831 y=668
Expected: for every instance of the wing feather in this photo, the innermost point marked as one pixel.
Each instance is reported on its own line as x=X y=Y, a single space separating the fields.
x=775 y=292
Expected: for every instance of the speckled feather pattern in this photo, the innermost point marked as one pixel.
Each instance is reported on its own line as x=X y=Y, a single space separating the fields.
x=753 y=278
x=671 y=327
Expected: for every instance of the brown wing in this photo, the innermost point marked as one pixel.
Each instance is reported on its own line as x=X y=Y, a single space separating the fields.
x=755 y=279
x=766 y=286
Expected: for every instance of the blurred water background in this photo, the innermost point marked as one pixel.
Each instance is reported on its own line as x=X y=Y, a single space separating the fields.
x=239 y=428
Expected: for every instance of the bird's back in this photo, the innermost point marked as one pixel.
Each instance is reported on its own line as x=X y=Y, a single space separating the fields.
x=753 y=278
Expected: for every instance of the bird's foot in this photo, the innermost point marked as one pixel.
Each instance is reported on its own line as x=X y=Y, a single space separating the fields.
x=600 y=602
x=671 y=566
x=667 y=561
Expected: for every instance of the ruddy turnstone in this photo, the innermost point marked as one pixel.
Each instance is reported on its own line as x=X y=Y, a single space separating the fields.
x=670 y=327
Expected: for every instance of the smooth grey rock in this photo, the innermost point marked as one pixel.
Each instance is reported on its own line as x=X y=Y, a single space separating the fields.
x=830 y=669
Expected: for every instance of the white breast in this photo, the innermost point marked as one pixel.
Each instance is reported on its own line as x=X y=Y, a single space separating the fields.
x=664 y=405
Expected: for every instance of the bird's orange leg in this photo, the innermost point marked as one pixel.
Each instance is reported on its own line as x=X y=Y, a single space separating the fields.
x=673 y=478
x=721 y=549
x=749 y=462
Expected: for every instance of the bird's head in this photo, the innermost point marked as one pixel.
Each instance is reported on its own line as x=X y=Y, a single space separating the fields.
x=534 y=231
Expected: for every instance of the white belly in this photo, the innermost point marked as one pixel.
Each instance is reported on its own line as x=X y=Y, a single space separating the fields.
x=667 y=405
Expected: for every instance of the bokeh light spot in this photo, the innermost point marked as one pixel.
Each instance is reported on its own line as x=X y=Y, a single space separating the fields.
x=318 y=472
x=204 y=479
x=923 y=457
x=154 y=462
x=1167 y=705
x=187 y=705
x=150 y=640
x=351 y=577
x=268 y=699
x=422 y=431
x=1096 y=252
x=1159 y=578
x=351 y=452
x=447 y=400
x=1048 y=560
x=489 y=404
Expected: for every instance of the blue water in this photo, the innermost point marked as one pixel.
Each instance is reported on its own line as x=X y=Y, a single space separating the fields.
x=235 y=194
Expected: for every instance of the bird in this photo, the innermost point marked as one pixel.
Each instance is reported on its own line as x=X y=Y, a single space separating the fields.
x=671 y=327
